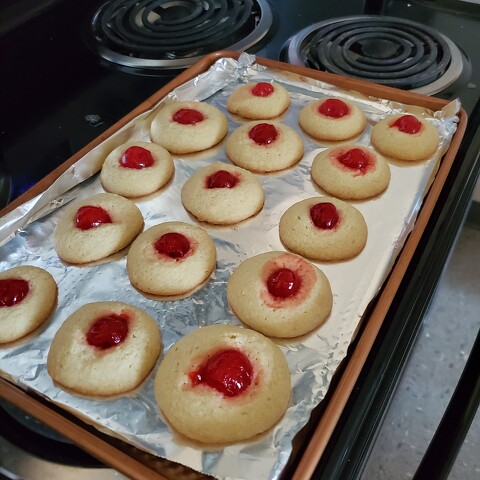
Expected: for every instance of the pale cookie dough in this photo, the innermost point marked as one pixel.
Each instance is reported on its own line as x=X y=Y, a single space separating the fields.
x=207 y=195
x=282 y=147
x=279 y=294
x=135 y=169
x=328 y=126
x=259 y=100
x=389 y=139
x=118 y=222
x=343 y=233
x=104 y=349
x=171 y=259
x=351 y=172
x=252 y=381
x=27 y=299
x=209 y=127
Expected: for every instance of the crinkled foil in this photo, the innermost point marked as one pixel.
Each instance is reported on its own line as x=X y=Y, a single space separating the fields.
x=26 y=234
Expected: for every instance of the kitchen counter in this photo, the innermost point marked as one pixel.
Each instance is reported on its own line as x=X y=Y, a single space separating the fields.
x=432 y=372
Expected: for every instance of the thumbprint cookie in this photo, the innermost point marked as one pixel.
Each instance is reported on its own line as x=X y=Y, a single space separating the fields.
x=405 y=137
x=223 y=384
x=222 y=194
x=279 y=294
x=332 y=119
x=351 y=172
x=323 y=228
x=104 y=349
x=96 y=227
x=259 y=100
x=264 y=146
x=187 y=127
x=171 y=259
x=135 y=169
x=27 y=299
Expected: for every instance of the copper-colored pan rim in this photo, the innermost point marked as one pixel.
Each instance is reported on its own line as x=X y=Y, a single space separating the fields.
x=134 y=467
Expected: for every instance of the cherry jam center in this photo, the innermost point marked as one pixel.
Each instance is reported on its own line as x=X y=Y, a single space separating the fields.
x=407 y=124
x=283 y=283
x=262 y=89
x=227 y=371
x=324 y=215
x=188 y=116
x=12 y=291
x=333 y=108
x=108 y=331
x=263 y=133
x=221 y=179
x=91 y=217
x=172 y=244
x=356 y=159
x=137 y=158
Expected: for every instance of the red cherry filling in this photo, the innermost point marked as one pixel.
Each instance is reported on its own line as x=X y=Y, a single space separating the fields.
x=283 y=283
x=172 y=244
x=263 y=133
x=91 y=217
x=334 y=108
x=407 y=124
x=12 y=291
x=356 y=159
x=188 y=116
x=262 y=89
x=227 y=371
x=324 y=215
x=221 y=179
x=108 y=331
x=137 y=158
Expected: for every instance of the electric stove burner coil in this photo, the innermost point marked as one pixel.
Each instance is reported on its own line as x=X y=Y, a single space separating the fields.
x=176 y=33
x=385 y=50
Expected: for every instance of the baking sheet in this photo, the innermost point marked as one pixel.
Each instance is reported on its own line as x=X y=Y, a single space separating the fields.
x=26 y=234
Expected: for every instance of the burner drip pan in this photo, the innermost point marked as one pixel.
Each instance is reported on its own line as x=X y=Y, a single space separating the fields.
x=385 y=50
x=174 y=34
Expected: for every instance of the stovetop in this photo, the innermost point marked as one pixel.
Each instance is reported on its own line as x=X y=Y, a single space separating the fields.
x=58 y=94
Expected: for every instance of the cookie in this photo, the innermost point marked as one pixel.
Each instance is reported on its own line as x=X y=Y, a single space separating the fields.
x=135 y=169
x=264 y=147
x=27 y=298
x=405 y=137
x=332 y=119
x=171 y=259
x=351 y=172
x=279 y=294
x=323 y=228
x=104 y=349
x=258 y=101
x=187 y=127
x=223 y=384
x=222 y=194
x=96 y=227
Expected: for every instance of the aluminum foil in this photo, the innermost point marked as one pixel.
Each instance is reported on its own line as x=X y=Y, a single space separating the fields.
x=26 y=234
